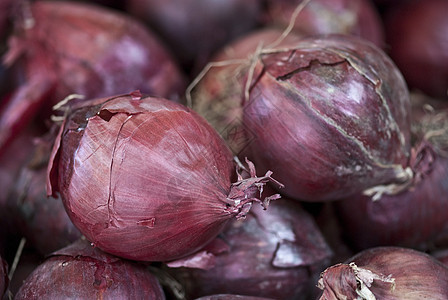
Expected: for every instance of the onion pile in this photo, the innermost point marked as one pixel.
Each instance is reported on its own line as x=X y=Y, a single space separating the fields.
x=147 y=179
x=276 y=254
x=67 y=47
x=330 y=117
x=81 y=271
x=417 y=37
x=386 y=273
x=356 y=17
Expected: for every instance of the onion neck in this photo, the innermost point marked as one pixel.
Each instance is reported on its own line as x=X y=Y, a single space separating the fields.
x=245 y=191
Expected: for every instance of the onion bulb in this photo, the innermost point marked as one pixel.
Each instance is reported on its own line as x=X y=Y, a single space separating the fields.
x=81 y=271
x=356 y=17
x=331 y=117
x=386 y=273
x=147 y=179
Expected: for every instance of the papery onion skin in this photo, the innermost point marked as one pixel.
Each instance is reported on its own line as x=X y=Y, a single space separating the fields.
x=218 y=96
x=396 y=273
x=354 y=17
x=77 y=48
x=196 y=29
x=4 y=280
x=417 y=217
x=417 y=38
x=145 y=178
x=276 y=255
x=330 y=117
x=82 y=272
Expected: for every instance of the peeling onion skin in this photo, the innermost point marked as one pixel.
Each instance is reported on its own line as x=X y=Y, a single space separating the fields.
x=276 y=255
x=81 y=271
x=4 y=280
x=417 y=38
x=396 y=273
x=145 y=178
x=356 y=17
x=72 y=47
x=330 y=117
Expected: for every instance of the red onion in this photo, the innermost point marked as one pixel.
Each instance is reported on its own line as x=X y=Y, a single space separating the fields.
x=81 y=271
x=67 y=47
x=196 y=29
x=330 y=117
x=357 y=17
x=386 y=273
x=42 y=221
x=218 y=95
x=417 y=216
x=4 y=280
x=417 y=37
x=276 y=255
x=146 y=178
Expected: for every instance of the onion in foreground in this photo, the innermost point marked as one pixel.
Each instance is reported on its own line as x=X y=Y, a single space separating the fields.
x=330 y=116
x=386 y=273
x=81 y=271
x=147 y=179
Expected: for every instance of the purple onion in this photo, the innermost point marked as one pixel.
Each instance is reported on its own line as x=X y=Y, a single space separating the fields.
x=356 y=17
x=386 y=273
x=331 y=118
x=81 y=271
x=148 y=179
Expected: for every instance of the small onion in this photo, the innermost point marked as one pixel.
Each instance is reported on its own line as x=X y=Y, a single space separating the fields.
x=357 y=17
x=4 y=280
x=330 y=117
x=276 y=255
x=386 y=273
x=68 y=47
x=147 y=179
x=417 y=38
x=81 y=271
x=417 y=216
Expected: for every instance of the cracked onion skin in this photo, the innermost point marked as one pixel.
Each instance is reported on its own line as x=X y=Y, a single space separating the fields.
x=145 y=178
x=391 y=273
x=80 y=271
x=330 y=117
